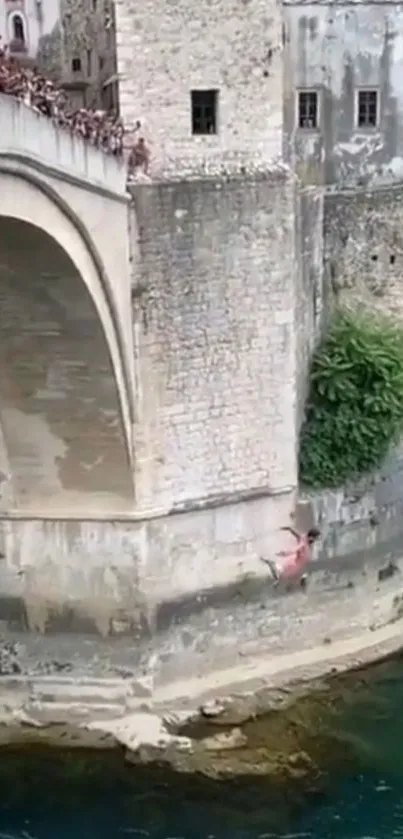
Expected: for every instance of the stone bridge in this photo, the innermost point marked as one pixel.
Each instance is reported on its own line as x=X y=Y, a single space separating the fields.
x=66 y=356
x=156 y=327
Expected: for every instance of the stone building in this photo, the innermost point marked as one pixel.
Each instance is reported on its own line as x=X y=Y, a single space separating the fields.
x=72 y=41
x=343 y=97
x=28 y=27
x=207 y=87
x=88 y=53
x=326 y=77
x=214 y=93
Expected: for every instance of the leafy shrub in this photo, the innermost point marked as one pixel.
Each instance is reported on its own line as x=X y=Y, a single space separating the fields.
x=355 y=405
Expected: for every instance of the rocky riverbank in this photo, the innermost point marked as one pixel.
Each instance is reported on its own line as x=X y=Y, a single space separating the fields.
x=247 y=687
x=275 y=720
x=260 y=769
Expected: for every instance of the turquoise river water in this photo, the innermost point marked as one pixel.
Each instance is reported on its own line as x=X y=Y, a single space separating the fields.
x=51 y=795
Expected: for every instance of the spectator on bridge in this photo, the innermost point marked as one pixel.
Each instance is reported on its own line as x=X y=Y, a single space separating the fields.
x=99 y=128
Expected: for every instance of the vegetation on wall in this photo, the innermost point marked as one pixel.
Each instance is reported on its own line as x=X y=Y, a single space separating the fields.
x=355 y=405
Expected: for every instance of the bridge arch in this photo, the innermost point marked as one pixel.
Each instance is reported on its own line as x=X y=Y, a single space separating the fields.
x=65 y=404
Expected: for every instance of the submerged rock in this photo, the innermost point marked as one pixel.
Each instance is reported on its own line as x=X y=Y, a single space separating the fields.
x=233 y=739
x=231 y=711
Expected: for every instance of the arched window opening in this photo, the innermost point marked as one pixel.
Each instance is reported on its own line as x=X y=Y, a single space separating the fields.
x=18 y=28
x=18 y=38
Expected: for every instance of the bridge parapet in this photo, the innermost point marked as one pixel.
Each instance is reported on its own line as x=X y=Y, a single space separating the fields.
x=26 y=132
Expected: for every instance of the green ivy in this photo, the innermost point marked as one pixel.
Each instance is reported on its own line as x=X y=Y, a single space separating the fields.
x=355 y=405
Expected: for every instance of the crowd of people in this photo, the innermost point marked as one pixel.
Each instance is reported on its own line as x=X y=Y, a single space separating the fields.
x=100 y=128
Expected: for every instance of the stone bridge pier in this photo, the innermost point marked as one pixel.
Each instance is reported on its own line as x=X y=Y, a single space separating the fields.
x=148 y=393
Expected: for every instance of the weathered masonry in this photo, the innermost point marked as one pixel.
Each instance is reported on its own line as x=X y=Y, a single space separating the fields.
x=148 y=397
x=342 y=95
x=154 y=343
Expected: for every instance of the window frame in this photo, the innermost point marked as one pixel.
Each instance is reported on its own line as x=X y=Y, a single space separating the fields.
x=358 y=92
x=18 y=19
x=316 y=92
x=11 y=17
x=214 y=92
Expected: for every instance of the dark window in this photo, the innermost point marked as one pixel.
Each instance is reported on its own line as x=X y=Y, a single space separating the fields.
x=308 y=109
x=367 y=116
x=76 y=65
x=101 y=62
x=89 y=62
x=204 y=111
x=18 y=28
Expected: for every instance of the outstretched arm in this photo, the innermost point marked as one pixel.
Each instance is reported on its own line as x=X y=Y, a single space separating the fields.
x=291 y=530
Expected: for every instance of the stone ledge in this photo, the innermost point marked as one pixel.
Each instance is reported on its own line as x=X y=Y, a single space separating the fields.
x=241 y=650
x=209 y=502
x=239 y=168
x=162 y=730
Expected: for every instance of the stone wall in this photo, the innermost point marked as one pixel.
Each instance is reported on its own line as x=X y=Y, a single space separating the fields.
x=310 y=294
x=335 y=49
x=214 y=319
x=202 y=46
x=363 y=517
x=364 y=247
x=215 y=433
x=112 y=576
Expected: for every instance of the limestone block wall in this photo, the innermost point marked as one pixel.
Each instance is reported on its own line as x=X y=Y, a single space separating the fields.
x=127 y=577
x=214 y=309
x=310 y=293
x=362 y=517
x=166 y=51
x=364 y=247
x=215 y=435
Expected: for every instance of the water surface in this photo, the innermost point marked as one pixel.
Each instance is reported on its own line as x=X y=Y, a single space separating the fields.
x=353 y=733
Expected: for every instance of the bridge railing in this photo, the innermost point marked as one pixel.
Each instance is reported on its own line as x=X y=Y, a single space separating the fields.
x=24 y=131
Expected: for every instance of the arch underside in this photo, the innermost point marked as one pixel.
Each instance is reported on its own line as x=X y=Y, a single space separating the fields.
x=63 y=436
